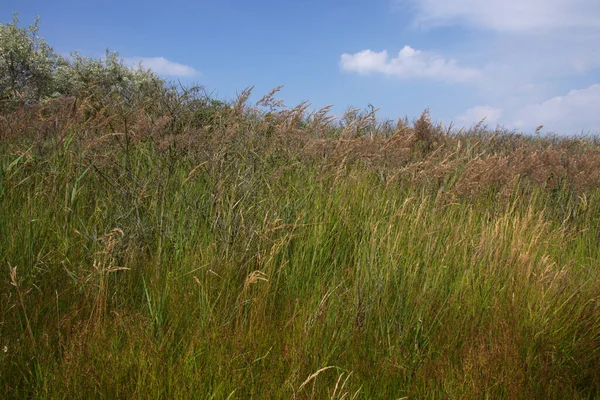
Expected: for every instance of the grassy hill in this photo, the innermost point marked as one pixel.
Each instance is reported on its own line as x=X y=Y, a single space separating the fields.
x=210 y=250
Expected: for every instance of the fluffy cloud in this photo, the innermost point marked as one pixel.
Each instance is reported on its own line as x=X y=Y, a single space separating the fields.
x=477 y=114
x=569 y=114
x=162 y=66
x=526 y=51
x=409 y=63
x=531 y=49
x=509 y=15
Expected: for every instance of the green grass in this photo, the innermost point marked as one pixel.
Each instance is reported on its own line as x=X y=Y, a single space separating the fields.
x=143 y=271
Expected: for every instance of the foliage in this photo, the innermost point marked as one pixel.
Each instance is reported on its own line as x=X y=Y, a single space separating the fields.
x=30 y=72
x=104 y=78
x=27 y=64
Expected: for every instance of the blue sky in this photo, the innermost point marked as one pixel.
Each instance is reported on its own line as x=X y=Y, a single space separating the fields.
x=519 y=63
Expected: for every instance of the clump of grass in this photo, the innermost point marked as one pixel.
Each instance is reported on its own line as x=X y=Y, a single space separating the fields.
x=186 y=247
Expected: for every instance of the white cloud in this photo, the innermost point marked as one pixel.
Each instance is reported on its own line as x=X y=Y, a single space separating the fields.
x=569 y=114
x=509 y=15
x=162 y=66
x=409 y=63
x=526 y=52
x=477 y=114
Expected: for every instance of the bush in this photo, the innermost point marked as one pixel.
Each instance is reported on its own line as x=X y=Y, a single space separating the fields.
x=107 y=78
x=30 y=72
x=27 y=64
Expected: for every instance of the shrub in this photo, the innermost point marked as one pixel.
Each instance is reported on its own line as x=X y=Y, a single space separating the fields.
x=27 y=64
x=107 y=78
x=30 y=72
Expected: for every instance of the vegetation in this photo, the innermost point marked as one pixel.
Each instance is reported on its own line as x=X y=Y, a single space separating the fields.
x=175 y=246
x=30 y=72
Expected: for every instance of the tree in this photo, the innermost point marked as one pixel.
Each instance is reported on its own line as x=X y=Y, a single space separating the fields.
x=27 y=64
x=30 y=72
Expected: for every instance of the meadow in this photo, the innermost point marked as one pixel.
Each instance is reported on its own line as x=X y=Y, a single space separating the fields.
x=184 y=247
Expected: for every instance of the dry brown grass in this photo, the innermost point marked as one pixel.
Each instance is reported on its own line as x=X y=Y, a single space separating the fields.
x=462 y=163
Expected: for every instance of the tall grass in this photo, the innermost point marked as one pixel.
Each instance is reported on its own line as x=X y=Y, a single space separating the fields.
x=239 y=251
